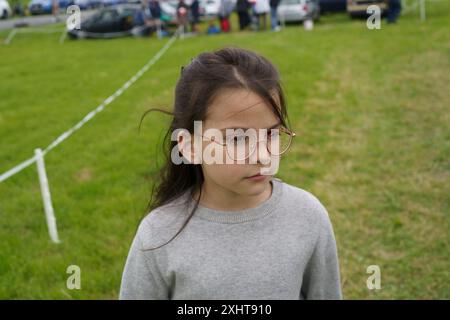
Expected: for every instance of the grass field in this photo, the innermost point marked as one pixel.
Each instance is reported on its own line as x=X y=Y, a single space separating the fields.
x=371 y=109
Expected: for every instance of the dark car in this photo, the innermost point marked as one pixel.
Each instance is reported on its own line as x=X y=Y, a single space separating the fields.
x=358 y=8
x=45 y=6
x=116 y=21
x=110 y=22
x=333 y=6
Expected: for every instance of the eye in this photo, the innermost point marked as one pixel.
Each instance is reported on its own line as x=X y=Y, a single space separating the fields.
x=236 y=139
x=273 y=133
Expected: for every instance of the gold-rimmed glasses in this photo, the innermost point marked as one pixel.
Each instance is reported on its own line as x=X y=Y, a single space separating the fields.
x=240 y=145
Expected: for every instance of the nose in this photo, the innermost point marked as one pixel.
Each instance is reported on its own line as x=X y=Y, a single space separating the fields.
x=263 y=154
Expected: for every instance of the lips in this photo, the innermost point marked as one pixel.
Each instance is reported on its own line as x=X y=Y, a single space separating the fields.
x=258 y=177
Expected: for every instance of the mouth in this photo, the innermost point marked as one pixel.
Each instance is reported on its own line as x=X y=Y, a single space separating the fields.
x=257 y=177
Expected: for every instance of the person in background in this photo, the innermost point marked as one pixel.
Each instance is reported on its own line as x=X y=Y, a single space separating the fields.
x=225 y=9
x=182 y=15
x=253 y=17
x=154 y=21
x=262 y=7
x=273 y=15
x=195 y=15
x=139 y=16
x=55 y=10
x=155 y=9
x=394 y=9
x=18 y=9
x=212 y=28
x=242 y=8
x=140 y=20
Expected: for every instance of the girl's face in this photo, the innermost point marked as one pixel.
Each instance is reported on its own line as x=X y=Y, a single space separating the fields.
x=240 y=108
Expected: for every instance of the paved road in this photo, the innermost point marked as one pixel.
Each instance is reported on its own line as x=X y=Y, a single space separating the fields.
x=39 y=20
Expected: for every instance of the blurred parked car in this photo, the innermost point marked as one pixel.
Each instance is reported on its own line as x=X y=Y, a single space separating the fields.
x=115 y=21
x=109 y=22
x=45 y=6
x=209 y=8
x=40 y=6
x=357 y=8
x=107 y=3
x=88 y=4
x=298 y=10
x=333 y=6
x=5 y=9
x=169 y=11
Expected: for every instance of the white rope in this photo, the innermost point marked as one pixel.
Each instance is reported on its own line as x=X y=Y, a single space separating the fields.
x=91 y=114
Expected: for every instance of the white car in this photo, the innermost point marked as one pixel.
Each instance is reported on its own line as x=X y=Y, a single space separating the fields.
x=5 y=9
x=298 y=10
x=210 y=7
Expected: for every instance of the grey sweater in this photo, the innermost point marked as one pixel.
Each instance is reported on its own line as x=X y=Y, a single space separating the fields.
x=282 y=249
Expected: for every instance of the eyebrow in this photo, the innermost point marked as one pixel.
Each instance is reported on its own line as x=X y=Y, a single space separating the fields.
x=272 y=127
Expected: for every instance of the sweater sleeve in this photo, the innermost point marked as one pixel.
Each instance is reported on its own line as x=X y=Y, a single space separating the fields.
x=141 y=279
x=321 y=279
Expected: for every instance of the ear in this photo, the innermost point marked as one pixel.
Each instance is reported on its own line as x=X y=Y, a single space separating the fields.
x=186 y=147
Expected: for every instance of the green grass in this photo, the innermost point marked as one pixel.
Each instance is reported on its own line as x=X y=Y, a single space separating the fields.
x=371 y=109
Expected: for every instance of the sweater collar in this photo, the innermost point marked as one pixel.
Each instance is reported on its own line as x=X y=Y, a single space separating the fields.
x=250 y=214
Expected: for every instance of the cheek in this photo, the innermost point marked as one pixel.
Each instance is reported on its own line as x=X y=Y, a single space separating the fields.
x=225 y=174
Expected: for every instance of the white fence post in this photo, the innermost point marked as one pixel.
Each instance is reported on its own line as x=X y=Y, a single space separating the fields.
x=46 y=198
x=422 y=10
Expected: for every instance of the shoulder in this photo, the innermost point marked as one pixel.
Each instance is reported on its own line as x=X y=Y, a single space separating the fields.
x=304 y=205
x=162 y=223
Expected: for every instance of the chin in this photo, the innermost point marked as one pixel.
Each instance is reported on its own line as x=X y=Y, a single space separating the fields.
x=256 y=189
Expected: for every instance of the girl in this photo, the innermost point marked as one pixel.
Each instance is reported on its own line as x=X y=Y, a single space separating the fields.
x=262 y=8
x=230 y=230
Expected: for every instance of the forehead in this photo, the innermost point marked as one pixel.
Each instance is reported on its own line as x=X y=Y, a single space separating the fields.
x=240 y=108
